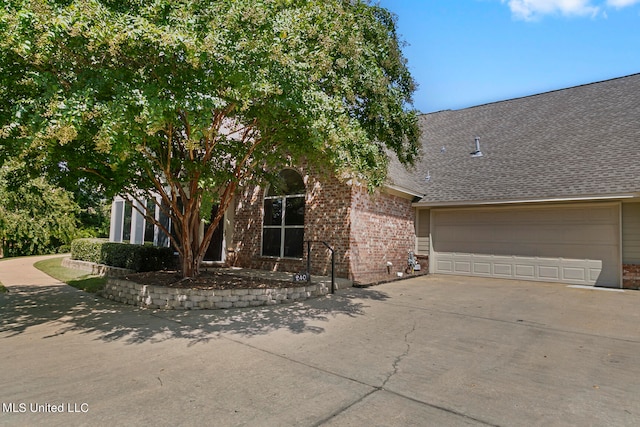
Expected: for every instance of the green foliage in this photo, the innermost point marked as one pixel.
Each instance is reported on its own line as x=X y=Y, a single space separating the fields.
x=88 y=283
x=183 y=98
x=118 y=255
x=95 y=210
x=35 y=217
x=123 y=255
x=137 y=257
x=89 y=250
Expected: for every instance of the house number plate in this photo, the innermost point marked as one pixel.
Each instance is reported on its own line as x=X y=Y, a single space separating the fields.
x=301 y=277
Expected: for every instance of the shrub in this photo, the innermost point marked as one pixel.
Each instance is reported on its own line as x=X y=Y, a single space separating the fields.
x=152 y=258
x=88 y=250
x=123 y=255
x=117 y=254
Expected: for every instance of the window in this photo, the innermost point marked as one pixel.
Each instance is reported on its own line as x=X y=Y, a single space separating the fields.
x=117 y=218
x=129 y=225
x=283 y=225
x=126 y=227
x=149 y=226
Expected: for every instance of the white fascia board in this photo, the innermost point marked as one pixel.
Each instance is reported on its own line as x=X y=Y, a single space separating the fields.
x=513 y=202
x=395 y=189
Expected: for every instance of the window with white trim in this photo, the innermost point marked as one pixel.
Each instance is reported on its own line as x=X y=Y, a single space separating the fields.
x=283 y=223
x=130 y=226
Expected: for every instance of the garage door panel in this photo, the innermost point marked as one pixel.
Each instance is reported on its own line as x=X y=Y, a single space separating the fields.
x=578 y=245
x=575 y=273
x=549 y=272
x=462 y=267
x=444 y=266
x=501 y=269
x=525 y=271
x=482 y=268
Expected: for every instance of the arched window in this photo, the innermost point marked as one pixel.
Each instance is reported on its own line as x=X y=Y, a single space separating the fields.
x=283 y=225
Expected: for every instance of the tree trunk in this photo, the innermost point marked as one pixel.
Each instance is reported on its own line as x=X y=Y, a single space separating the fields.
x=189 y=266
x=191 y=241
x=187 y=220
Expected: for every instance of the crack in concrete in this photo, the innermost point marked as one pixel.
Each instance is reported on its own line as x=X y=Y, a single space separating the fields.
x=359 y=399
x=512 y=322
x=398 y=359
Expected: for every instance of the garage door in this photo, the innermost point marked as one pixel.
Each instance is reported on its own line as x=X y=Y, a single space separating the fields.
x=577 y=244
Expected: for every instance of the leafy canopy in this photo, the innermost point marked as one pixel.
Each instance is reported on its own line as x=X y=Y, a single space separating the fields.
x=195 y=97
x=111 y=77
x=35 y=217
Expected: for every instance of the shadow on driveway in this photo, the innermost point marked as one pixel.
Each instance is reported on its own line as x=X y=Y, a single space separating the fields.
x=71 y=310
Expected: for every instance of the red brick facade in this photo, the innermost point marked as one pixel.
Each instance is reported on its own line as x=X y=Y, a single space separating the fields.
x=367 y=231
x=382 y=232
x=631 y=276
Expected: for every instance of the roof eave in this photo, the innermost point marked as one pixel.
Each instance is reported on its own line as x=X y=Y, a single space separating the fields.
x=403 y=191
x=454 y=203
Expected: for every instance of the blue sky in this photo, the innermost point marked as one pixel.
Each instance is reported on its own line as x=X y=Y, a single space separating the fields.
x=470 y=52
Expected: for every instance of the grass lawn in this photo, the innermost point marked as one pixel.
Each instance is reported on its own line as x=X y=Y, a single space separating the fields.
x=76 y=278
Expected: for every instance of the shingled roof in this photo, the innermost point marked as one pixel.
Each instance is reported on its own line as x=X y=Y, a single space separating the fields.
x=581 y=142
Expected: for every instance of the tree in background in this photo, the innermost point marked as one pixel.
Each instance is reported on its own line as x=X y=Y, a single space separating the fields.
x=185 y=101
x=35 y=217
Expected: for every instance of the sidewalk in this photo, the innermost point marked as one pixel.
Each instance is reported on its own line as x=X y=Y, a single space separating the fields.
x=21 y=272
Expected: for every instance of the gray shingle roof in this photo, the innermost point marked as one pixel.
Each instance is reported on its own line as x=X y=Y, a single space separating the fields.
x=582 y=141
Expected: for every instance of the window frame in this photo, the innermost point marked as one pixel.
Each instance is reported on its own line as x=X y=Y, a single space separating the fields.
x=127 y=225
x=283 y=227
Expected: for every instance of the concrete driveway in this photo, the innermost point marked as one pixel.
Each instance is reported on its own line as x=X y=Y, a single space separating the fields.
x=436 y=350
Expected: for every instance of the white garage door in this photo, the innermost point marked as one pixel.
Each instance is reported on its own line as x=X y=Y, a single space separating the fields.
x=577 y=244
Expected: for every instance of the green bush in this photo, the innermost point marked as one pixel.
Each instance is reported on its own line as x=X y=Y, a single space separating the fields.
x=88 y=250
x=118 y=255
x=153 y=258
x=123 y=255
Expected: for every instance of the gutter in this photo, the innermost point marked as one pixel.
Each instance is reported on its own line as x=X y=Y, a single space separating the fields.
x=521 y=201
x=404 y=190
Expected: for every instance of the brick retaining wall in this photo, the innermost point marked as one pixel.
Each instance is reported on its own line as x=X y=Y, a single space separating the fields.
x=150 y=296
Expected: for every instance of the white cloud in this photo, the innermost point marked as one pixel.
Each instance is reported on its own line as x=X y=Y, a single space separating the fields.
x=533 y=9
x=530 y=10
x=622 y=3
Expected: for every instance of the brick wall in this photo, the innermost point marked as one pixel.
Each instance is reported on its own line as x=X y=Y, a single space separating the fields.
x=382 y=232
x=365 y=230
x=631 y=276
x=326 y=219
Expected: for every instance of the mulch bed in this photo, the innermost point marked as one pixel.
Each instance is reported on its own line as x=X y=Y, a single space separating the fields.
x=207 y=280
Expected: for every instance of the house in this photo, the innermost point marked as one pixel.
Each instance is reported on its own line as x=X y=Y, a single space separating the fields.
x=544 y=187
x=549 y=191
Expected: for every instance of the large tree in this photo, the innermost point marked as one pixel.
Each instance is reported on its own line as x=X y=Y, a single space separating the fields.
x=36 y=217
x=186 y=100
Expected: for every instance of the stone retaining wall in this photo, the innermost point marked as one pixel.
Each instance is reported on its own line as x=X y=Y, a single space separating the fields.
x=150 y=296
x=95 y=269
